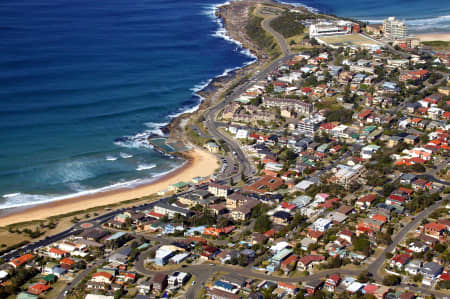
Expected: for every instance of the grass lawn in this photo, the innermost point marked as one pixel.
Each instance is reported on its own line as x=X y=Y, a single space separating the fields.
x=56 y=288
x=438 y=45
x=348 y=39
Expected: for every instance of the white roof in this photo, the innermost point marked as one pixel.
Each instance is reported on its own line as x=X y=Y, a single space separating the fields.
x=279 y=246
x=3 y=274
x=303 y=185
x=355 y=287
x=94 y=296
x=321 y=222
x=163 y=252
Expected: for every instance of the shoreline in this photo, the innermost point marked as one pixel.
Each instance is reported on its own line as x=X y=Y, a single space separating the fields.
x=199 y=163
x=440 y=36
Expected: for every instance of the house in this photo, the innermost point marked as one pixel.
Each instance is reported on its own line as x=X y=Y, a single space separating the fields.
x=369 y=226
x=434 y=229
x=212 y=147
x=313 y=286
x=291 y=289
x=289 y=264
x=102 y=277
x=236 y=200
x=159 y=282
x=321 y=225
x=25 y=295
x=218 y=190
x=366 y=201
x=264 y=185
x=244 y=212
x=21 y=260
x=178 y=279
x=170 y=211
x=332 y=282
x=57 y=253
x=346 y=235
x=215 y=293
x=417 y=247
x=38 y=288
x=413 y=267
x=144 y=287
x=400 y=260
x=307 y=262
x=281 y=217
x=430 y=272
x=179 y=186
x=163 y=254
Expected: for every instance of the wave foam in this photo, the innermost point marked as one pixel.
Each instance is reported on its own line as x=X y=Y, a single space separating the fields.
x=145 y=167
x=299 y=4
x=111 y=158
x=125 y=155
x=140 y=140
x=156 y=128
x=17 y=200
x=421 y=24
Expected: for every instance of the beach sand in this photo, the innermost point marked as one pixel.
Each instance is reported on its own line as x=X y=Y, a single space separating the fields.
x=434 y=37
x=200 y=163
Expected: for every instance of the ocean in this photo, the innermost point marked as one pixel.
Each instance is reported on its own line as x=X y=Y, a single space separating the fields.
x=77 y=75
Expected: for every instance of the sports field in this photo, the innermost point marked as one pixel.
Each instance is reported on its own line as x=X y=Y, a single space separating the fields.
x=347 y=40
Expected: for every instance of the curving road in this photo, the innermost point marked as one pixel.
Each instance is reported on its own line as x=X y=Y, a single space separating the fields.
x=282 y=42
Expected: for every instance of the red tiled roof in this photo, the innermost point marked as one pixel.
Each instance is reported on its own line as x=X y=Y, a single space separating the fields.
x=57 y=251
x=270 y=233
x=401 y=258
x=67 y=261
x=22 y=259
x=306 y=260
x=315 y=234
x=445 y=276
x=286 y=205
x=287 y=285
x=370 y=288
x=291 y=259
x=103 y=274
x=368 y=198
x=435 y=226
x=406 y=190
x=38 y=288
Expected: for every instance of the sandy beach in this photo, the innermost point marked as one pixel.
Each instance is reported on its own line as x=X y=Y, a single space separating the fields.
x=434 y=37
x=200 y=163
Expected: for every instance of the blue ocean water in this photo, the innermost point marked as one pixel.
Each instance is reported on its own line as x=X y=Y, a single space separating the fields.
x=421 y=16
x=76 y=75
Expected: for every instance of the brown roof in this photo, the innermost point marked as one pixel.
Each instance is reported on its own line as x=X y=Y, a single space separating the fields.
x=264 y=184
x=344 y=209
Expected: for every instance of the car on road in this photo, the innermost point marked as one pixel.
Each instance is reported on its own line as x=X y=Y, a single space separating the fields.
x=193 y=283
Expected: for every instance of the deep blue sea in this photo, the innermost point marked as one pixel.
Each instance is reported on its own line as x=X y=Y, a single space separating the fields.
x=76 y=75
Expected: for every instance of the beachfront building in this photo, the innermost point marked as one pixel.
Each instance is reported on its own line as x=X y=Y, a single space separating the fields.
x=332 y=28
x=394 y=29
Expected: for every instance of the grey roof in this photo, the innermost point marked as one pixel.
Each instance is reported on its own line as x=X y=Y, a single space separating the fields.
x=431 y=268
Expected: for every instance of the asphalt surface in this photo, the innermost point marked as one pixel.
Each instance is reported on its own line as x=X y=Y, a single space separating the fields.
x=281 y=41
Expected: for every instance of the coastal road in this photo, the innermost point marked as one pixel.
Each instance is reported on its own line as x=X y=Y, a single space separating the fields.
x=242 y=160
x=281 y=41
x=210 y=117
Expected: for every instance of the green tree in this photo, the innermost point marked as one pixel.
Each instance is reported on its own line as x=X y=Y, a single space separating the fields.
x=262 y=224
x=391 y=280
